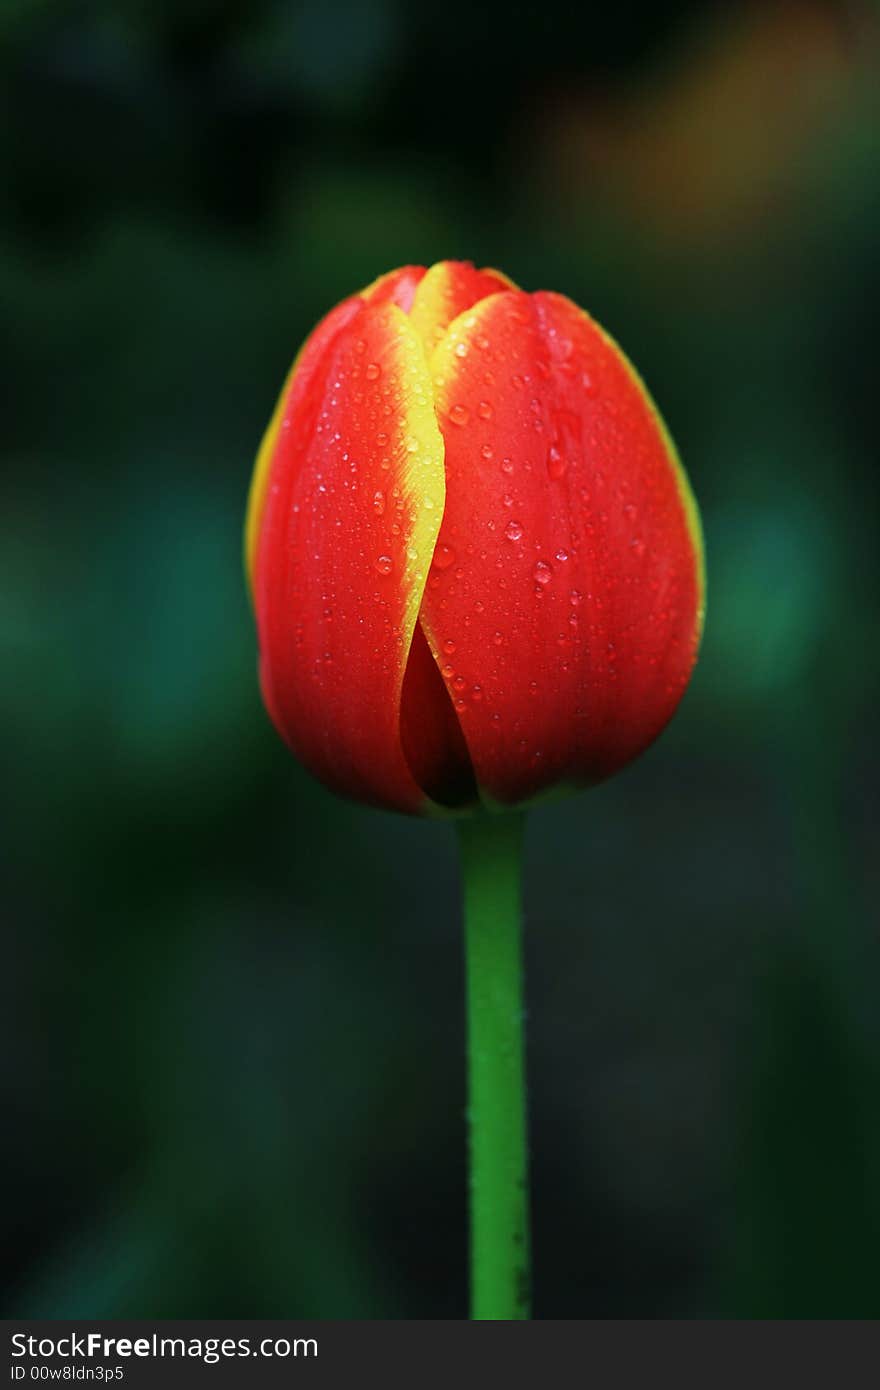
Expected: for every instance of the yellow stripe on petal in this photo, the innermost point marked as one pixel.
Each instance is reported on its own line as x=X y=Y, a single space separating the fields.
x=260 y=479
x=423 y=476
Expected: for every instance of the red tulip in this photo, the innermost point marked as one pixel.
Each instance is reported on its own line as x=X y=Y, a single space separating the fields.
x=475 y=559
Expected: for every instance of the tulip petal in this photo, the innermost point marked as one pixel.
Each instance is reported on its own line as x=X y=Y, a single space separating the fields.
x=397 y=287
x=296 y=387
x=355 y=500
x=447 y=290
x=565 y=601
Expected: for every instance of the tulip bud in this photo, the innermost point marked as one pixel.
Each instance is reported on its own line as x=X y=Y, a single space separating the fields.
x=475 y=559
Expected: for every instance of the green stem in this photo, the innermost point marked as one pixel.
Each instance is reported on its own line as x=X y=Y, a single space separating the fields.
x=491 y=851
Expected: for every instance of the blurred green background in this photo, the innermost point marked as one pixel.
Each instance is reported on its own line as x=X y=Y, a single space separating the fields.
x=232 y=1019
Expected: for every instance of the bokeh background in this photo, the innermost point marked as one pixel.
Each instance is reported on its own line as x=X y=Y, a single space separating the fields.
x=231 y=1030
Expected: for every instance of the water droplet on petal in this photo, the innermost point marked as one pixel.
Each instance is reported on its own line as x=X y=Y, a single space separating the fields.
x=542 y=572
x=459 y=414
x=637 y=546
x=444 y=556
x=378 y=503
x=513 y=531
x=486 y=451
x=484 y=410
x=562 y=556
x=384 y=564
x=556 y=462
x=461 y=349
x=449 y=647
x=372 y=371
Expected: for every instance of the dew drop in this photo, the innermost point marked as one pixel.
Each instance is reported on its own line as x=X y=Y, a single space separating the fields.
x=637 y=546
x=444 y=556
x=575 y=597
x=384 y=564
x=459 y=414
x=513 y=531
x=449 y=647
x=485 y=411
x=507 y=465
x=461 y=349
x=486 y=451
x=542 y=572
x=476 y=693
x=556 y=462
x=459 y=684
x=372 y=371
x=379 y=503
x=562 y=556
x=498 y=638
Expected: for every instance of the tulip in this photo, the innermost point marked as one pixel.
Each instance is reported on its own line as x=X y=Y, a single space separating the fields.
x=474 y=556
x=477 y=572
